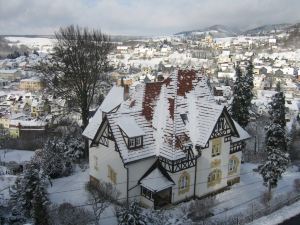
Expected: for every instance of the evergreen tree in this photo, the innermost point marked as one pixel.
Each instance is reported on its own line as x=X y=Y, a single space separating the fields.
x=39 y=211
x=242 y=95
x=277 y=109
x=278 y=86
x=131 y=215
x=27 y=191
x=249 y=74
x=276 y=144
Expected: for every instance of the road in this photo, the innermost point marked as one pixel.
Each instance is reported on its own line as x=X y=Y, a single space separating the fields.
x=292 y=221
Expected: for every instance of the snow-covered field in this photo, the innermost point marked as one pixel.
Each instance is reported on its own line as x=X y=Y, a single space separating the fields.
x=42 y=44
x=7 y=155
x=232 y=202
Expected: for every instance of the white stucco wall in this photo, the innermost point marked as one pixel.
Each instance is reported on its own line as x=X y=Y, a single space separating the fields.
x=107 y=156
x=136 y=170
x=204 y=168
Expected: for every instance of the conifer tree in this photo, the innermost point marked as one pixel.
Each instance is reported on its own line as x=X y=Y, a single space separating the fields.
x=242 y=95
x=27 y=191
x=277 y=110
x=276 y=144
x=131 y=215
x=39 y=212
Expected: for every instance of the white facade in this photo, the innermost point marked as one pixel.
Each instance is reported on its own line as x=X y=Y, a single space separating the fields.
x=131 y=147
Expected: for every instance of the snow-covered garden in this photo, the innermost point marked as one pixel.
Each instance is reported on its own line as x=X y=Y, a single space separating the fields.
x=241 y=199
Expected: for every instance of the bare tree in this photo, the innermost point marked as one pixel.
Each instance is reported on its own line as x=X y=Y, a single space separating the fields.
x=67 y=214
x=74 y=70
x=101 y=194
x=200 y=208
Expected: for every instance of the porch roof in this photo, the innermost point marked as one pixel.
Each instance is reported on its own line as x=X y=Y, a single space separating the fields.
x=156 y=181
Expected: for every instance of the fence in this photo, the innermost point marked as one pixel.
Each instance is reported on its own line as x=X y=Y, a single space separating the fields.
x=255 y=211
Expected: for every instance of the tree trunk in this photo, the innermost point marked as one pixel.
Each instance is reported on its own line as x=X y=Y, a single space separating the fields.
x=85 y=121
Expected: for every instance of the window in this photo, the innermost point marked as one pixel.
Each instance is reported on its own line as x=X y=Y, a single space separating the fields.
x=146 y=193
x=112 y=175
x=134 y=142
x=131 y=142
x=216 y=147
x=138 y=141
x=233 y=165
x=214 y=178
x=184 y=183
x=227 y=139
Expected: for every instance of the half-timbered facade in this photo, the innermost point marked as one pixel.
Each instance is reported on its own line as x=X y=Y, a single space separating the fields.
x=167 y=142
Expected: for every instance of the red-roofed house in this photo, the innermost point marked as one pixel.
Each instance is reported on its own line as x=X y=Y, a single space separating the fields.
x=169 y=141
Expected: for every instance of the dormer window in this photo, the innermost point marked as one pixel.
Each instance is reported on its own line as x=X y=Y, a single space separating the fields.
x=131 y=142
x=131 y=132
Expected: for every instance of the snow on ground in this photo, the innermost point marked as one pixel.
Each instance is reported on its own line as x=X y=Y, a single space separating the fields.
x=7 y=155
x=241 y=196
x=69 y=189
x=279 y=216
x=43 y=44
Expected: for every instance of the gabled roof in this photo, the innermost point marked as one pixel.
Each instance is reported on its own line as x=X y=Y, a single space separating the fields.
x=155 y=111
x=156 y=178
x=243 y=135
x=130 y=127
x=113 y=99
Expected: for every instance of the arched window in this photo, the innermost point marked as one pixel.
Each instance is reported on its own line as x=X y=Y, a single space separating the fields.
x=184 y=183
x=233 y=165
x=214 y=178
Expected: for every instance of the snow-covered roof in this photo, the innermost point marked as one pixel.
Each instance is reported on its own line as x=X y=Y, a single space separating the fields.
x=113 y=99
x=94 y=123
x=177 y=112
x=156 y=181
x=130 y=127
x=242 y=133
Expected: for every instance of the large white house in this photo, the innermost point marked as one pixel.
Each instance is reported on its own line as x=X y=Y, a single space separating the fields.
x=165 y=142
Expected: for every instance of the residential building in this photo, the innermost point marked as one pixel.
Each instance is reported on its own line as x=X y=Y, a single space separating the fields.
x=167 y=142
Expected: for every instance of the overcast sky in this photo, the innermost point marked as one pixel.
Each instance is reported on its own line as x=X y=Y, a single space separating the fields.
x=142 y=17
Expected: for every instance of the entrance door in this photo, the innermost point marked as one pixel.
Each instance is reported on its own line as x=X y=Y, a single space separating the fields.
x=162 y=198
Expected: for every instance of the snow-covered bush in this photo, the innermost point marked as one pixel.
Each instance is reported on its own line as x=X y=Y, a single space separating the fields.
x=67 y=214
x=29 y=196
x=131 y=215
x=201 y=208
x=101 y=195
x=58 y=155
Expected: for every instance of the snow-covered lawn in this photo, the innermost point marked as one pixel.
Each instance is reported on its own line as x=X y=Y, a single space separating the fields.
x=241 y=196
x=279 y=216
x=232 y=202
x=70 y=189
x=7 y=155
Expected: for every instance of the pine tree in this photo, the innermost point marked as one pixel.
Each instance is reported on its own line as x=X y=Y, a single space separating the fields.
x=249 y=74
x=131 y=215
x=238 y=107
x=277 y=109
x=24 y=190
x=242 y=95
x=276 y=144
x=39 y=211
